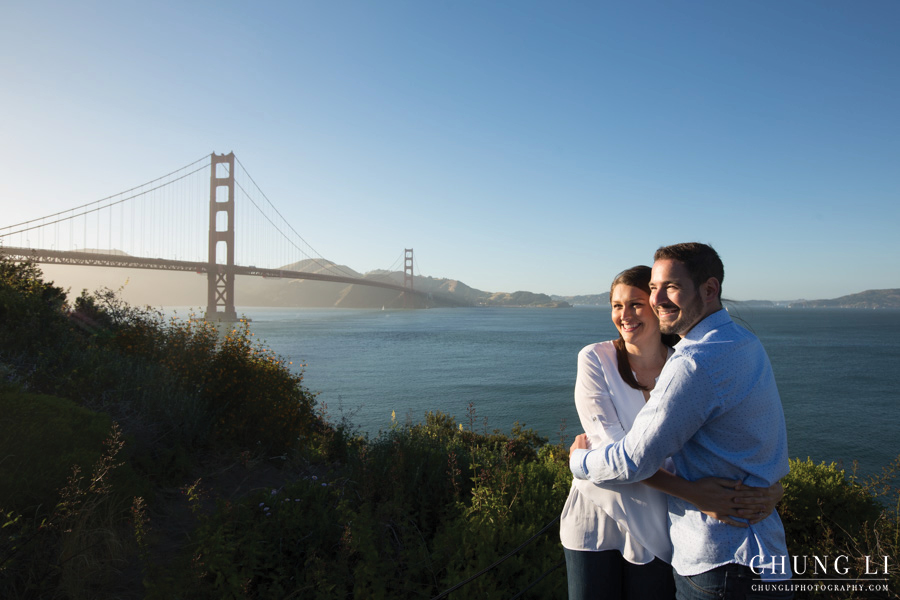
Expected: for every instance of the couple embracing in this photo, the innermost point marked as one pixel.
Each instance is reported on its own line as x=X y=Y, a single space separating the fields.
x=683 y=450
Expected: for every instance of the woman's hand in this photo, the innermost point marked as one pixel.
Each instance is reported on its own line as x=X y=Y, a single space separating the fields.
x=723 y=499
x=581 y=443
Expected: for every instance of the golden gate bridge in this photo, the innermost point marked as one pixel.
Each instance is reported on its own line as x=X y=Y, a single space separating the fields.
x=168 y=224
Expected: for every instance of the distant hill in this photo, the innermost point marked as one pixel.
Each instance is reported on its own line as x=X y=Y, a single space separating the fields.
x=523 y=299
x=174 y=288
x=873 y=299
x=315 y=294
x=755 y=303
x=441 y=292
x=585 y=300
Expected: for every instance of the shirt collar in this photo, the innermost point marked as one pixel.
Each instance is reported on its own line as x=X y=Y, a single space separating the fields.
x=710 y=322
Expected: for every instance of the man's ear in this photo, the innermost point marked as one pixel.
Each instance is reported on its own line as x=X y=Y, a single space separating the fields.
x=709 y=290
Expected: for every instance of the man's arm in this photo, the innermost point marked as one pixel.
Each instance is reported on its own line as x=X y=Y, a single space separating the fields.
x=678 y=406
x=719 y=498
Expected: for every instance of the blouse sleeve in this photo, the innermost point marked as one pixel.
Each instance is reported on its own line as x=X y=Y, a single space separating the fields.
x=593 y=401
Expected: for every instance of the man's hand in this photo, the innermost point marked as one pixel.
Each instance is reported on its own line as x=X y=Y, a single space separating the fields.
x=758 y=503
x=723 y=499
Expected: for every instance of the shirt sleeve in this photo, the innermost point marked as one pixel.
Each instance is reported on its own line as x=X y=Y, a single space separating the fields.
x=679 y=405
x=593 y=401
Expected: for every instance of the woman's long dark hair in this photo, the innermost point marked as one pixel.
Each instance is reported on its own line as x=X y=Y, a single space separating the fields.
x=638 y=277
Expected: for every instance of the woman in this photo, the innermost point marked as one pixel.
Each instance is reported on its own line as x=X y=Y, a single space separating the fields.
x=616 y=539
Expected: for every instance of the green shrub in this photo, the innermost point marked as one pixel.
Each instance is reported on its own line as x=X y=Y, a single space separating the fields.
x=29 y=306
x=238 y=393
x=76 y=548
x=410 y=513
x=821 y=503
x=41 y=438
x=510 y=503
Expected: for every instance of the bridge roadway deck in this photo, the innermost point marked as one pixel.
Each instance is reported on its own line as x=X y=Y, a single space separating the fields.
x=93 y=259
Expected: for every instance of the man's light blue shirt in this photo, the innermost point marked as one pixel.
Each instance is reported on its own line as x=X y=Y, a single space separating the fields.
x=716 y=411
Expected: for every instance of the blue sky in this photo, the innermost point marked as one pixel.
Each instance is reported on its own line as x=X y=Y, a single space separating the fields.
x=539 y=146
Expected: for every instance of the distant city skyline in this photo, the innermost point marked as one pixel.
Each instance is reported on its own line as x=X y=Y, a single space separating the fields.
x=516 y=146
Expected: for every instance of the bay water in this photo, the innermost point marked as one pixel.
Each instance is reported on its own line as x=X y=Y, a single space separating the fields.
x=838 y=370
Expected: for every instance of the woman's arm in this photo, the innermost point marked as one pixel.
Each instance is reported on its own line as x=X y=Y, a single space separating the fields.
x=721 y=499
x=593 y=401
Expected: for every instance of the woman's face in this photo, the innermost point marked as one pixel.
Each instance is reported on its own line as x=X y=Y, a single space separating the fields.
x=632 y=315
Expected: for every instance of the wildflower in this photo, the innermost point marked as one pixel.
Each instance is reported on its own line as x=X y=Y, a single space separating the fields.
x=315 y=478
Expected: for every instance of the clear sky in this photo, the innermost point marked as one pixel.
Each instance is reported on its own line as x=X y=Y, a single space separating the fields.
x=515 y=145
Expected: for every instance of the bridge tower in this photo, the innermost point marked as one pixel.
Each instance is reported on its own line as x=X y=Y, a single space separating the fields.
x=408 y=277
x=220 y=277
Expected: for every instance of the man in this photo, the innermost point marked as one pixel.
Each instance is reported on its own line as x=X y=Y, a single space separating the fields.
x=716 y=411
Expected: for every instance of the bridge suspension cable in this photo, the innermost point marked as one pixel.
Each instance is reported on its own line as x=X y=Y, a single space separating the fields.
x=137 y=187
x=44 y=223
x=313 y=255
x=162 y=218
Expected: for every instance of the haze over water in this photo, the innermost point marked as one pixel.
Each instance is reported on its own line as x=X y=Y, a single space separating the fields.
x=836 y=369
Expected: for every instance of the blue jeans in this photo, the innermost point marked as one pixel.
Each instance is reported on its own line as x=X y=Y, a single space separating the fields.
x=728 y=582
x=607 y=576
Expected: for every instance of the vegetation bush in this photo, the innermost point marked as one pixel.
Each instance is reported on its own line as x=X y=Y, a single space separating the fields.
x=75 y=548
x=408 y=515
x=247 y=394
x=30 y=308
x=41 y=439
x=828 y=514
x=176 y=387
x=821 y=502
x=174 y=384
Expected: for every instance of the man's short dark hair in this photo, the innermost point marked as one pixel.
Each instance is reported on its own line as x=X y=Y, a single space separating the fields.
x=702 y=261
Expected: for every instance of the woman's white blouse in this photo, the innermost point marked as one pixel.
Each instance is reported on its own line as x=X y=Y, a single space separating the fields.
x=631 y=517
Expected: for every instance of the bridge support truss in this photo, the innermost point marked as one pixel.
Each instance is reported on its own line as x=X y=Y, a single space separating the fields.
x=220 y=277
